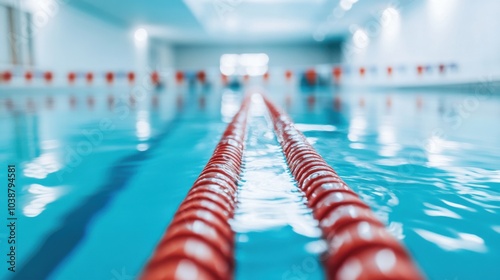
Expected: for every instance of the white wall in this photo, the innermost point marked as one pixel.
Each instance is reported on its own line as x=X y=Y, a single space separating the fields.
x=291 y=55
x=161 y=55
x=431 y=32
x=72 y=40
x=66 y=38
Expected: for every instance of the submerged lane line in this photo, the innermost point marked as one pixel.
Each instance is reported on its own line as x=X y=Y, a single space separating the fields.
x=72 y=228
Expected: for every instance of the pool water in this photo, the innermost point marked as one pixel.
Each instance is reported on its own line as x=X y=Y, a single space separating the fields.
x=272 y=211
x=98 y=181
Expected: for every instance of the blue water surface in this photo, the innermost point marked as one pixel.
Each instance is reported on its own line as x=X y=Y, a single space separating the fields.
x=98 y=181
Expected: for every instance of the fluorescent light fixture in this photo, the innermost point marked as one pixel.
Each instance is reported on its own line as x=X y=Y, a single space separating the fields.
x=346 y=5
x=227 y=70
x=140 y=34
x=250 y=59
x=229 y=59
x=389 y=15
x=360 y=39
x=256 y=70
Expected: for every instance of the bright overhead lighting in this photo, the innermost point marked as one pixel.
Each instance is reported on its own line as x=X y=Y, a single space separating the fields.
x=254 y=59
x=360 y=39
x=389 y=14
x=346 y=5
x=227 y=70
x=253 y=64
x=141 y=34
x=229 y=59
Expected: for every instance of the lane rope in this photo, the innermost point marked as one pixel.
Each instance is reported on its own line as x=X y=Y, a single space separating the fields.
x=359 y=246
x=199 y=242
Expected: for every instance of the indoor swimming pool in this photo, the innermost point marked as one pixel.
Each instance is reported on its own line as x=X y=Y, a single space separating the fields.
x=100 y=175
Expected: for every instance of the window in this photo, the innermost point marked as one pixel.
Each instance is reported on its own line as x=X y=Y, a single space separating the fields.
x=16 y=46
x=4 y=33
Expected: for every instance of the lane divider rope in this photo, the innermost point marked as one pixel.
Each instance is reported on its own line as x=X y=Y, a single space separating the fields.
x=359 y=247
x=311 y=75
x=199 y=243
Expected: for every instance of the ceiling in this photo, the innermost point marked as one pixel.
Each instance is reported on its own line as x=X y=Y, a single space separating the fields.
x=238 y=21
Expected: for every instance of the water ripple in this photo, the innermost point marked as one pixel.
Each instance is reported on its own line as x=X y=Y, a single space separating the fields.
x=272 y=212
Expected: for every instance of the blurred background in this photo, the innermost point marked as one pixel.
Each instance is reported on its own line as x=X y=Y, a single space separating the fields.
x=395 y=43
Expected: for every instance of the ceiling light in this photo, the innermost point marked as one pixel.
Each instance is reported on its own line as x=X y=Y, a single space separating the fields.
x=141 y=34
x=360 y=38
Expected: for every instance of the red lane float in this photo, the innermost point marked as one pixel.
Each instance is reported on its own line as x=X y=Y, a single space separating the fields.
x=389 y=71
x=359 y=247
x=202 y=77
x=110 y=76
x=337 y=74
x=420 y=69
x=311 y=77
x=362 y=71
x=48 y=77
x=6 y=76
x=131 y=77
x=224 y=79
x=199 y=242
x=71 y=77
x=28 y=76
x=89 y=77
x=179 y=77
x=265 y=77
x=155 y=78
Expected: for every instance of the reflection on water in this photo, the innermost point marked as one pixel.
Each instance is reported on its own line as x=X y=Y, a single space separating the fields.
x=143 y=130
x=315 y=127
x=43 y=165
x=428 y=169
x=357 y=128
x=230 y=104
x=142 y=126
x=434 y=210
x=388 y=141
x=460 y=241
x=271 y=212
x=38 y=198
x=431 y=176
